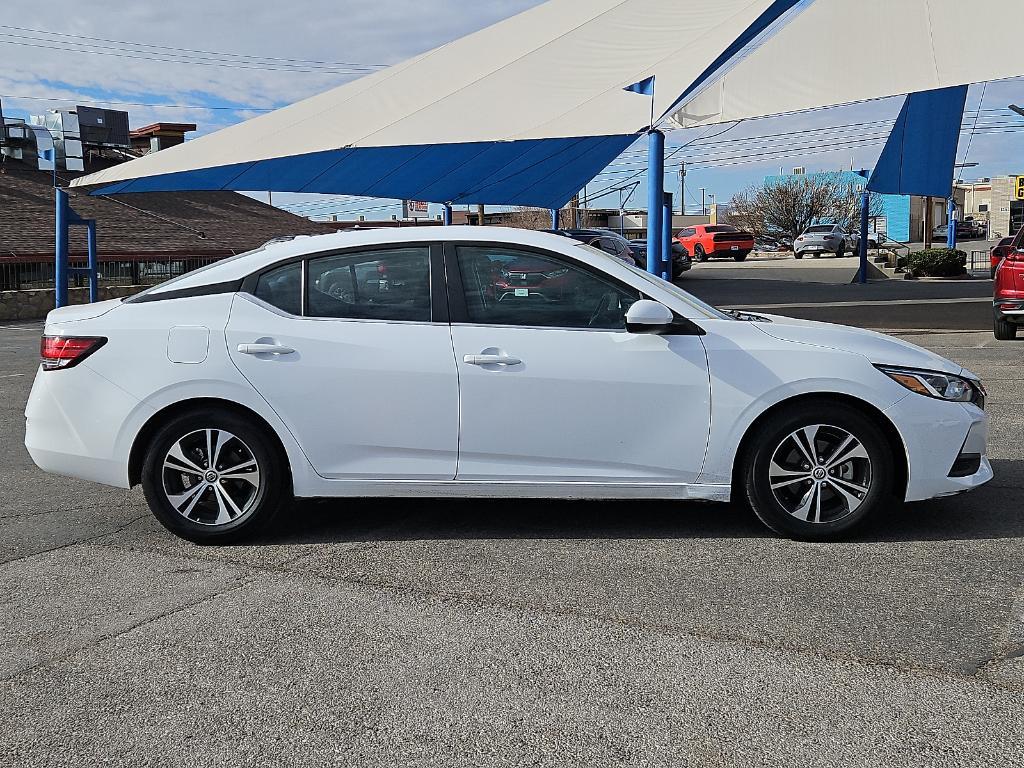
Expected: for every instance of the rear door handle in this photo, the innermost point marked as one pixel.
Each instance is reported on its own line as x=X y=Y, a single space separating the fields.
x=491 y=360
x=264 y=349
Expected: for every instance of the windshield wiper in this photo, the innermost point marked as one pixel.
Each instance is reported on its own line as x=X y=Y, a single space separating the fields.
x=747 y=317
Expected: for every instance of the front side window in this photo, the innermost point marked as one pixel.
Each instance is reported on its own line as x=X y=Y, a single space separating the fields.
x=391 y=284
x=504 y=286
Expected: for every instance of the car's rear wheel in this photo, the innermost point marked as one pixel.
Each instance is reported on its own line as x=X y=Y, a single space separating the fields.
x=699 y=254
x=740 y=257
x=1003 y=330
x=213 y=477
x=816 y=472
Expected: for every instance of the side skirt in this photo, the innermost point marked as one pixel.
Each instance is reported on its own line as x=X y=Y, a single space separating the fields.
x=498 y=489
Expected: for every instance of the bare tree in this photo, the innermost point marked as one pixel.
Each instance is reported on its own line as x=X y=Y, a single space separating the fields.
x=783 y=209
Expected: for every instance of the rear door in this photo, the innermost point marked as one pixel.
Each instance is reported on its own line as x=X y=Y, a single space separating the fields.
x=359 y=365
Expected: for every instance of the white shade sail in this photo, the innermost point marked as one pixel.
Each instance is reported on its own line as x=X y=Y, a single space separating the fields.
x=845 y=51
x=520 y=112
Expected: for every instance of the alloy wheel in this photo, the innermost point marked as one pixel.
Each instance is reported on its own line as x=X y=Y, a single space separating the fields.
x=820 y=474
x=211 y=477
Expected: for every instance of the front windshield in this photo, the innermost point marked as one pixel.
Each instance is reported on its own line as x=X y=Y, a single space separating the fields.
x=675 y=290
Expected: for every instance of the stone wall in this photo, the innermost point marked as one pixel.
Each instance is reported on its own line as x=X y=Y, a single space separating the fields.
x=33 y=305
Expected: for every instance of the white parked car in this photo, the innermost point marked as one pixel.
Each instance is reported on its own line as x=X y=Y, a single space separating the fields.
x=482 y=362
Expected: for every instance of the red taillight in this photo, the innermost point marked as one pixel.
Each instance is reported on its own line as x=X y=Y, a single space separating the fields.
x=67 y=351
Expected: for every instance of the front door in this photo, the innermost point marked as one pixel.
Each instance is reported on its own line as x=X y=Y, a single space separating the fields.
x=361 y=371
x=553 y=388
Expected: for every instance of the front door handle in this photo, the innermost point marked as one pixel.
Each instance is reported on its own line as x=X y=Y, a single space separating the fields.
x=264 y=349
x=491 y=360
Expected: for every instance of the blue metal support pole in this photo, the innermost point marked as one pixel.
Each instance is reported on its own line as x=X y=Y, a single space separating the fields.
x=94 y=265
x=951 y=229
x=655 y=200
x=666 y=238
x=446 y=215
x=555 y=224
x=865 y=210
x=60 y=268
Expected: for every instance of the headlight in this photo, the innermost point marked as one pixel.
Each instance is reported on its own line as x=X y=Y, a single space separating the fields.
x=943 y=386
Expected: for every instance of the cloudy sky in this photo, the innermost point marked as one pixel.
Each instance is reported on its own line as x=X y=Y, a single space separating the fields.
x=221 y=62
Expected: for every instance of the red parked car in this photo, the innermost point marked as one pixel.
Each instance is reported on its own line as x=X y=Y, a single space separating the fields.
x=1008 y=305
x=709 y=241
x=999 y=252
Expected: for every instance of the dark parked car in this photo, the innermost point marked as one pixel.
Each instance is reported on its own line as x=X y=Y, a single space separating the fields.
x=965 y=230
x=631 y=251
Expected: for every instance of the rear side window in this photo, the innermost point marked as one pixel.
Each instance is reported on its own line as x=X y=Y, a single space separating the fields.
x=392 y=284
x=282 y=288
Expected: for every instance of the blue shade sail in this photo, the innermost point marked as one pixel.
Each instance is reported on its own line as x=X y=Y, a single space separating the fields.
x=920 y=156
x=545 y=173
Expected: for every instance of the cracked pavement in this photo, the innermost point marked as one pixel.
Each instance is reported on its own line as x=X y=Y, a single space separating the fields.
x=465 y=633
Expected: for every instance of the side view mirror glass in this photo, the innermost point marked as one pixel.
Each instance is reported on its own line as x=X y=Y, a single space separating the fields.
x=646 y=316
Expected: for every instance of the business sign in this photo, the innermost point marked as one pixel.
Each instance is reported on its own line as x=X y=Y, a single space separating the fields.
x=415 y=209
x=1020 y=187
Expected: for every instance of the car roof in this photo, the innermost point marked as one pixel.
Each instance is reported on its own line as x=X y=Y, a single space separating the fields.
x=240 y=266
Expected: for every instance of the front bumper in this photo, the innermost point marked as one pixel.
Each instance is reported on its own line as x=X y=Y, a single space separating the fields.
x=938 y=437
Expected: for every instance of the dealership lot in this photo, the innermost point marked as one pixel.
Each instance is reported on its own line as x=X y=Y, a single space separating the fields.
x=510 y=633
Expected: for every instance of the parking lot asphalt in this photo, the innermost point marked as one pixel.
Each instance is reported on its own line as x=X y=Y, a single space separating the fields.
x=823 y=289
x=463 y=633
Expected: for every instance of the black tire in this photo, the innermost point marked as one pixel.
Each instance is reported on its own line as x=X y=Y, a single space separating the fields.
x=770 y=442
x=740 y=257
x=698 y=253
x=1003 y=330
x=259 y=504
x=799 y=254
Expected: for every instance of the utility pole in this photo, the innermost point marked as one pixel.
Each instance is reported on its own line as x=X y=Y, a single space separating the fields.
x=929 y=210
x=682 y=188
x=703 y=202
x=480 y=214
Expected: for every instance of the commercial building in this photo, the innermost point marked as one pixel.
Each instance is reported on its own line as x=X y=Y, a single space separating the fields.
x=998 y=200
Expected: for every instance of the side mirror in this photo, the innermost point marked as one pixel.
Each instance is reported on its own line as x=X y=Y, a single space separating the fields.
x=646 y=316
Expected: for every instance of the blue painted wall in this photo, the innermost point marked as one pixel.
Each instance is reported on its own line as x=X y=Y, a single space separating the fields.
x=896 y=207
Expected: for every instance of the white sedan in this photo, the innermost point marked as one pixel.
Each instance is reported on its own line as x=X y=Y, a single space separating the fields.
x=479 y=362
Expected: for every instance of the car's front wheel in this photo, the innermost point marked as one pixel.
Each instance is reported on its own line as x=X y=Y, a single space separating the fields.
x=213 y=477
x=817 y=471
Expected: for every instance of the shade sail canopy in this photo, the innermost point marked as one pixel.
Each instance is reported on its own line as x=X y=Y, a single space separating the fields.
x=523 y=112
x=844 y=51
x=920 y=156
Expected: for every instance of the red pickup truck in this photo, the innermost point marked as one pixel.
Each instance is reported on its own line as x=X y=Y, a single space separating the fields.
x=709 y=241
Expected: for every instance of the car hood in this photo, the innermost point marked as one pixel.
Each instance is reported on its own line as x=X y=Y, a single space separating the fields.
x=876 y=347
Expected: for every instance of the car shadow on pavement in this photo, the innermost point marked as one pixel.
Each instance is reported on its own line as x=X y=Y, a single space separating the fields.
x=992 y=512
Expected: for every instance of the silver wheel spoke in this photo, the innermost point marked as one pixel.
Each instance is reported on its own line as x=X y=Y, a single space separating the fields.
x=852 y=502
x=238 y=467
x=222 y=439
x=186 y=502
x=790 y=481
x=177 y=453
x=808 y=449
x=253 y=478
x=807 y=504
x=225 y=507
x=849 y=450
